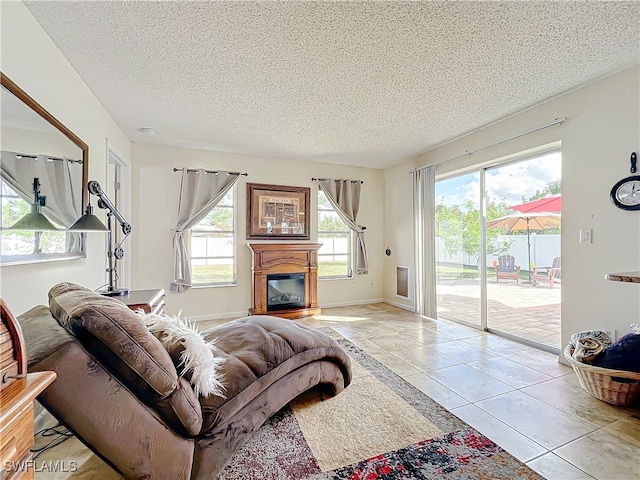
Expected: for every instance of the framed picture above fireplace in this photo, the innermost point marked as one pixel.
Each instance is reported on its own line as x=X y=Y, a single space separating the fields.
x=277 y=212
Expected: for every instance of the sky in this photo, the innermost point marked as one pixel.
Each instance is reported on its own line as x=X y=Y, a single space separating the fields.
x=509 y=182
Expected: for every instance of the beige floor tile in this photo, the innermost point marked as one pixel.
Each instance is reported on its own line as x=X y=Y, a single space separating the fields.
x=542 y=361
x=494 y=344
x=566 y=394
x=346 y=331
x=432 y=336
x=438 y=392
x=627 y=430
x=426 y=358
x=462 y=352
x=459 y=331
x=395 y=344
x=552 y=467
x=468 y=382
x=603 y=455
x=369 y=328
x=515 y=443
x=509 y=372
x=537 y=420
x=429 y=336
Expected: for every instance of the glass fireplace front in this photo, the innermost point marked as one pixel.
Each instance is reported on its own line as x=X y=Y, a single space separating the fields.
x=285 y=291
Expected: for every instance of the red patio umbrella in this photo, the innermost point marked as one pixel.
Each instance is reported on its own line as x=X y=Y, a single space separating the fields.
x=552 y=203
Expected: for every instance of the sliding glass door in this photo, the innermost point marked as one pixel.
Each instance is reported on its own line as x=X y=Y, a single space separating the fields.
x=525 y=302
x=498 y=262
x=458 y=249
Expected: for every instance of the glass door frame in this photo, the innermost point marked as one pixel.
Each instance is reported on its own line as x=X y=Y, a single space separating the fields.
x=482 y=169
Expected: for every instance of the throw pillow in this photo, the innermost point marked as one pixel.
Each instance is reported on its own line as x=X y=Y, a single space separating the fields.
x=196 y=356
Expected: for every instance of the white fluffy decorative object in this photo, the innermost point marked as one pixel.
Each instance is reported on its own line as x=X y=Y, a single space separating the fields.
x=198 y=355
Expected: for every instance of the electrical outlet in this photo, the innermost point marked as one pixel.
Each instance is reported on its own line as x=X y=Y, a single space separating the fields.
x=612 y=333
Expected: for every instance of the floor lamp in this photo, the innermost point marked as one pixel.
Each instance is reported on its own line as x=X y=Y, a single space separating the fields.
x=90 y=223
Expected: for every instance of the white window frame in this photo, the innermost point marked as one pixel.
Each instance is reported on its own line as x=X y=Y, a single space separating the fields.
x=234 y=233
x=349 y=252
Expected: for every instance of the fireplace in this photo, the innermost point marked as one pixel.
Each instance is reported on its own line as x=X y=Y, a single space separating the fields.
x=285 y=279
x=284 y=291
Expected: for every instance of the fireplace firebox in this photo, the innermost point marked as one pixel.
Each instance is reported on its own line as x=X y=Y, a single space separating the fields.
x=284 y=291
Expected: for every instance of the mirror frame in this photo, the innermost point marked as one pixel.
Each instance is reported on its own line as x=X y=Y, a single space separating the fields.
x=43 y=113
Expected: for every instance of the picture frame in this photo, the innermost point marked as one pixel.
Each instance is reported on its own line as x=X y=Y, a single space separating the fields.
x=277 y=212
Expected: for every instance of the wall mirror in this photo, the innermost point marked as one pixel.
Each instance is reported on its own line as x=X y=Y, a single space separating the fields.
x=43 y=169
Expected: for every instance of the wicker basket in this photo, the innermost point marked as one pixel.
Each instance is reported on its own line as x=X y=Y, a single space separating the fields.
x=617 y=387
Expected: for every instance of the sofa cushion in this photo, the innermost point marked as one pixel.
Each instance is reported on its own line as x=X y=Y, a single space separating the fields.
x=116 y=336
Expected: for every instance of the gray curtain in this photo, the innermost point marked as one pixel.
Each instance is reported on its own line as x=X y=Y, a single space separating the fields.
x=344 y=196
x=200 y=192
x=63 y=203
x=424 y=241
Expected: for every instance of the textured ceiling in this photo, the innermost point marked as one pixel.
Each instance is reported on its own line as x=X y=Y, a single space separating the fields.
x=358 y=83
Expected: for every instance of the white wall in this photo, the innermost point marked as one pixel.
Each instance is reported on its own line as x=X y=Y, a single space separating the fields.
x=31 y=60
x=155 y=207
x=602 y=129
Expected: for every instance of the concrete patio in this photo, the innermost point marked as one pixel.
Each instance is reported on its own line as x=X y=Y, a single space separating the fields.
x=531 y=312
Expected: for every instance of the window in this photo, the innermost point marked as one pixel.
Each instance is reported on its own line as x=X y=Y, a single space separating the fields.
x=213 y=245
x=334 y=257
x=22 y=242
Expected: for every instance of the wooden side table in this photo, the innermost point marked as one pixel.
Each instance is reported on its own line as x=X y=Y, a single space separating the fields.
x=17 y=424
x=149 y=301
x=18 y=390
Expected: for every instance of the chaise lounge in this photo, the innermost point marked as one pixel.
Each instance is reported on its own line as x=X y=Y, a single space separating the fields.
x=119 y=391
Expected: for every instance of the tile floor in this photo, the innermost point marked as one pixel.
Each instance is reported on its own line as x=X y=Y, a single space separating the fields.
x=521 y=398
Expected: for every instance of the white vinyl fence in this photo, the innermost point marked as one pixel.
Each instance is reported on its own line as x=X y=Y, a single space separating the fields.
x=544 y=248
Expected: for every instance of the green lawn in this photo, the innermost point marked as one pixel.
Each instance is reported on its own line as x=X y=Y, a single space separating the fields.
x=208 y=274
x=329 y=269
x=444 y=272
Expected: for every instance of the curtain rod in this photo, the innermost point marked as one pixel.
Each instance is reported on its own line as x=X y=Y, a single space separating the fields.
x=556 y=121
x=48 y=157
x=327 y=179
x=208 y=171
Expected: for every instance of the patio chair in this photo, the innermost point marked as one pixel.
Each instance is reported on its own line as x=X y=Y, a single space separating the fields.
x=507 y=268
x=550 y=274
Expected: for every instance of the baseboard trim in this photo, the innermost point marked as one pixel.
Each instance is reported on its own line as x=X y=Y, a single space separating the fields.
x=352 y=302
x=403 y=306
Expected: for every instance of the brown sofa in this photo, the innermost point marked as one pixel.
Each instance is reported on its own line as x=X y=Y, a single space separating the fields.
x=119 y=391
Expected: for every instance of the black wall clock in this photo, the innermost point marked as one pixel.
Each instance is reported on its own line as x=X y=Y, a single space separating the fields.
x=626 y=193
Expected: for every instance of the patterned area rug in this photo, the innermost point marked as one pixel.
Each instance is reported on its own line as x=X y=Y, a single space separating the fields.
x=380 y=427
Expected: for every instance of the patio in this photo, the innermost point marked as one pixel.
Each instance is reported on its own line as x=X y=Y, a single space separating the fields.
x=522 y=310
